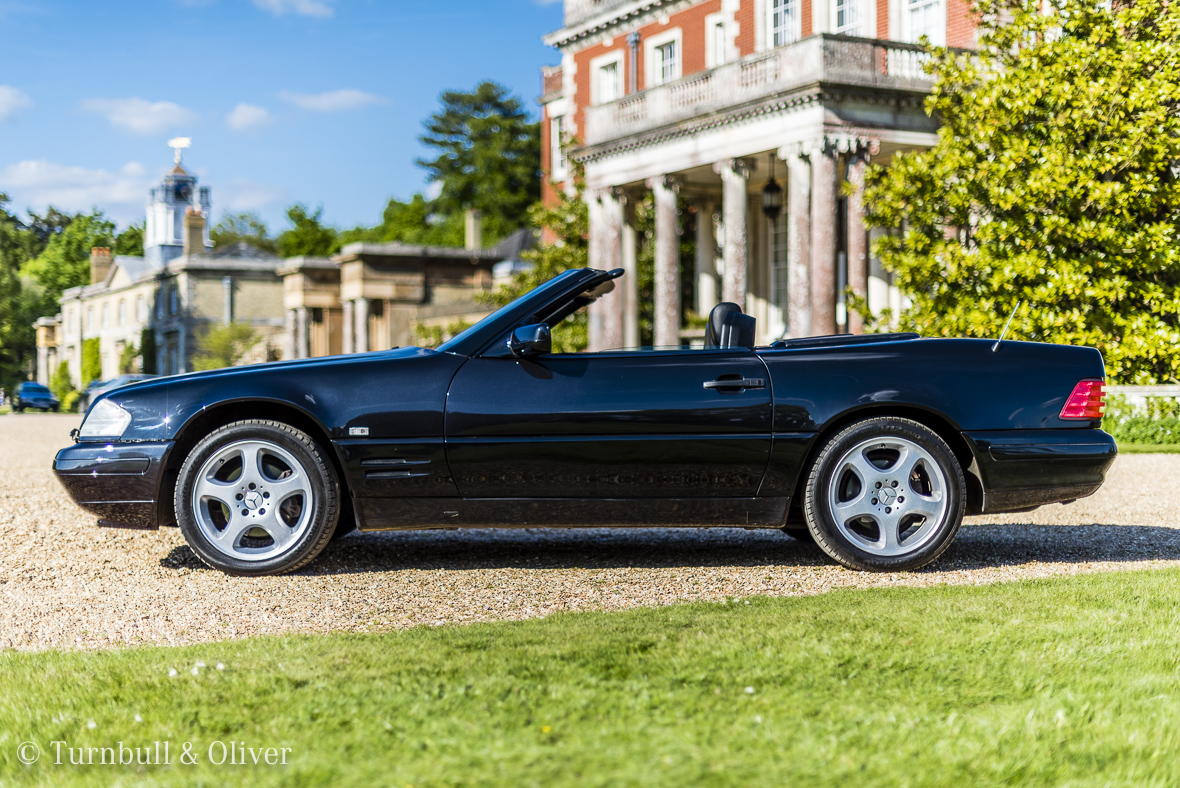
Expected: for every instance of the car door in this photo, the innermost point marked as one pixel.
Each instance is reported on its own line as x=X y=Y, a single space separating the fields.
x=665 y=424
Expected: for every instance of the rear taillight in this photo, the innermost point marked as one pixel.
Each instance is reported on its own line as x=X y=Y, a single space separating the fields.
x=1088 y=401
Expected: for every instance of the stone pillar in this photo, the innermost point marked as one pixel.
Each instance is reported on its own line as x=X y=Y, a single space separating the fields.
x=798 y=245
x=43 y=370
x=858 y=257
x=290 y=341
x=823 y=239
x=706 y=261
x=667 y=270
x=614 y=303
x=630 y=258
x=361 y=315
x=348 y=340
x=734 y=204
x=302 y=333
x=596 y=251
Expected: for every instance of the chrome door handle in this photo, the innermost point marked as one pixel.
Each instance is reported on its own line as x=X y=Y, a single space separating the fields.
x=740 y=383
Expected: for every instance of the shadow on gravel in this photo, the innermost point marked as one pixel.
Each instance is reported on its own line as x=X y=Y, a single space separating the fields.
x=977 y=547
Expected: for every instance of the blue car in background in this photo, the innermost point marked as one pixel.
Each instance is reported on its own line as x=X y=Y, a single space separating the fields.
x=34 y=395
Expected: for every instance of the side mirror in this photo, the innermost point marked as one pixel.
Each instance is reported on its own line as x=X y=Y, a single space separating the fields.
x=530 y=341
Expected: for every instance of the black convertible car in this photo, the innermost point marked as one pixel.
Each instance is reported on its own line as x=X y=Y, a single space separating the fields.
x=875 y=446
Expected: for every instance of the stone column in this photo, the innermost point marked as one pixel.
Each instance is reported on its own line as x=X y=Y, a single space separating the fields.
x=614 y=303
x=348 y=340
x=597 y=244
x=823 y=239
x=706 y=261
x=361 y=315
x=302 y=334
x=667 y=269
x=290 y=340
x=734 y=204
x=858 y=257
x=630 y=257
x=43 y=370
x=798 y=245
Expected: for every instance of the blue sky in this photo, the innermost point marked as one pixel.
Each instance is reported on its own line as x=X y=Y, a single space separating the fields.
x=315 y=101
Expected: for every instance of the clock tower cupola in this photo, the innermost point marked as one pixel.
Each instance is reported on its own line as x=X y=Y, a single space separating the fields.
x=176 y=195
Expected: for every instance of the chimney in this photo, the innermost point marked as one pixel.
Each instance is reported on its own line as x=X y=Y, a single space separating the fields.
x=194 y=232
x=100 y=264
x=474 y=240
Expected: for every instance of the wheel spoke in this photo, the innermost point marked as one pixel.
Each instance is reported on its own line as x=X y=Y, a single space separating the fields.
x=887 y=527
x=858 y=506
x=212 y=489
x=285 y=488
x=865 y=470
x=931 y=508
x=279 y=531
x=238 y=525
x=251 y=464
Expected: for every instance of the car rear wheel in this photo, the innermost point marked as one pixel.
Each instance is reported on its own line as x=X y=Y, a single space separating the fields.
x=885 y=495
x=257 y=498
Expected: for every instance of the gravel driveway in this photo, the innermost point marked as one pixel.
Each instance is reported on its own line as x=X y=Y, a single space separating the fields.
x=66 y=583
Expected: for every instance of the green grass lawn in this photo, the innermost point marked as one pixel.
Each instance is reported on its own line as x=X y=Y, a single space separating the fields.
x=1064 y=682
x=1149 y=448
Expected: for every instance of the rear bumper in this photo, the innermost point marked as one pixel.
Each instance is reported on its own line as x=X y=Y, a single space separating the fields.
x=1023 y=469
x=117 y=482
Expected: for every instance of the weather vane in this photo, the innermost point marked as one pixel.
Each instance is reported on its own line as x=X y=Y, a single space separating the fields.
x=178 y=144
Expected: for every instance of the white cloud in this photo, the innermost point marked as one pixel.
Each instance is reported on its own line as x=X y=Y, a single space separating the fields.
x=317 y=8
x=40 y=183
x=433 y=190
x=139 y=115
x=332 y=100
x=240 y=194
x=245 y=117
x=11 y=100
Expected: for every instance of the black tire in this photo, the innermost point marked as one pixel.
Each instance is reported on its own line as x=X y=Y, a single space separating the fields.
x=314 y=531
x=885 y=538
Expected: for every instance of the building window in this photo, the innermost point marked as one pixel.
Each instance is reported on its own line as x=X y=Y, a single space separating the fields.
x=925 y=18
x=557 y=147
x=122 y=312
x=173 y=300
x=89 y=318
x=662 y=57
x=608 y=82
x=140 y=309
x=785 y=21
x=779 y=267
x=106 y=315
x=848 y=17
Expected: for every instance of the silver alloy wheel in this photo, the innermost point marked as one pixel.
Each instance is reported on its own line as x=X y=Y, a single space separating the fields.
x=888 y=496
x=252 y=500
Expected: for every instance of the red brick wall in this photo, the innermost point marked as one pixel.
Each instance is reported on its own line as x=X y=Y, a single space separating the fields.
x=960 y=24
x=806 y=24
x=882 y=18
x=746 y=36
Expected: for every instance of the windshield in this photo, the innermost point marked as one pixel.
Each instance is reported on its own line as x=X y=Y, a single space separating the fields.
x=35 y=388
x=491 y=319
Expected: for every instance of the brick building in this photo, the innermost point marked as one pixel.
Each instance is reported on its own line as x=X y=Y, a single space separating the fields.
x=725 y=104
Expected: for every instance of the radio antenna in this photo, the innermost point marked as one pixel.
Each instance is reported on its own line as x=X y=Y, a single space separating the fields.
x=996 y=347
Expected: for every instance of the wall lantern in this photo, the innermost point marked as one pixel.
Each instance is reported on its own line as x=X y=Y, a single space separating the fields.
x=772 y=196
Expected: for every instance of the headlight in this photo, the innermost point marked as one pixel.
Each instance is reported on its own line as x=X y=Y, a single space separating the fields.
x=106 y=420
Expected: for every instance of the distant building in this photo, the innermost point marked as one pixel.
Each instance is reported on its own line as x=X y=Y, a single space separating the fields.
x=179 y=288
x=761 y=115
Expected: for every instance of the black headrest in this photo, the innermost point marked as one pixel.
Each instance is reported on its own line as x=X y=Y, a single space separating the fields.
x=717 y=321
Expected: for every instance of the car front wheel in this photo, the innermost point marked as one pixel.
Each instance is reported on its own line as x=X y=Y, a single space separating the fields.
x=257 y=498
x=885 y=495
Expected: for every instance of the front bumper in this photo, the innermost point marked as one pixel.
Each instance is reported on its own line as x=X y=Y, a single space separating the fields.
x=1023 y=469
x=117 y=482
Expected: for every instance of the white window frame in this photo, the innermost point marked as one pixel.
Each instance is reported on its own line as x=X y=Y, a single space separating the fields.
x=652 y=68
x=616 y=59
x=558 y=166
x=859 y=17
x=713 y=57
x=907 y=31
x=796 y=28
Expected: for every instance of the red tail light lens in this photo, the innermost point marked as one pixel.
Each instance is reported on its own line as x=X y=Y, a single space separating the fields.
x=1088 y=401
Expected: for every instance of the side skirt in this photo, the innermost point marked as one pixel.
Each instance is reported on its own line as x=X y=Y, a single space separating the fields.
x=384 y=514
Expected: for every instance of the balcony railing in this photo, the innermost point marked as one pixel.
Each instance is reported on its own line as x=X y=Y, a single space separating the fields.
x=832 y=60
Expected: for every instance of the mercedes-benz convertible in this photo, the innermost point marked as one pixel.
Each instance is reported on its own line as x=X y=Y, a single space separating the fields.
x=874 y=446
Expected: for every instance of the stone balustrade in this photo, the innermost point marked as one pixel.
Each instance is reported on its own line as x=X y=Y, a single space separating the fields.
x=821 y=59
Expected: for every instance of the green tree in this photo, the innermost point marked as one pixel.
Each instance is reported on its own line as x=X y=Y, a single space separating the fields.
x=308 y=234
x=568 y=221
x=130 y=241
x=223 y=345
x=1054 y=180
x=242 y=227
x=413 y=222
x=15 y=338
x=127 y=359
x=91 y=361
x=489 y=157
x=62 y=387
x=65 y=261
